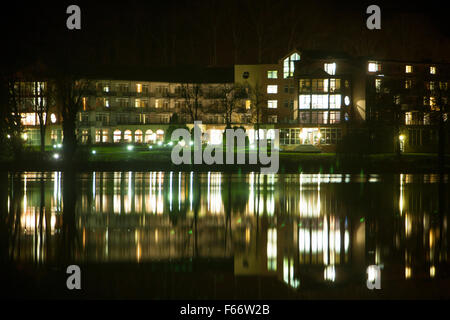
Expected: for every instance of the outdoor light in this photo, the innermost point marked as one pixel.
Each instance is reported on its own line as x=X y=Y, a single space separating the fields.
x=150 y=147
x=401 y=137
x=94 y=152
x=191 y=143
x=8 y=136
x=25 y=136
x=56 y=156
x=59 y=145
x=160 y=143
x=54 y=146
x=170 y=143
x=182 y=143
x=53 y=118
x=130 y=147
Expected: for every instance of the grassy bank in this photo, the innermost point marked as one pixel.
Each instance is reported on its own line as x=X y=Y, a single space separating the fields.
x=142 y=158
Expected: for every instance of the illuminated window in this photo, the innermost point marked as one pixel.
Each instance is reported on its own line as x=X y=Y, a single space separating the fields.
x=272 y=89
x=374 y=67
x=431 y=85
x=138 y=136
x=408 y=84
x=272 y=74
x=305 y=101
x=150 y=137
x=378 y=85
x=272 y=119
x=138 y=88
x=319 y=101
x=408 y=69
x=330 y=68
x=106 y=88
x=432 y=70
x=272 y=104
x=105 y=136
x=272 y=249
x=335 y=85
x=288 y=65
x=84 y=103
x=320 y=85
x=107 y=103
x=305 y=85
x=98 y=136
x=127 y=136
x=117 y=136
x=248 y=104
x=335 y=101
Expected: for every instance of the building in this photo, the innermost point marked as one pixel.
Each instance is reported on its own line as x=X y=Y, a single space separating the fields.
x=315 y=99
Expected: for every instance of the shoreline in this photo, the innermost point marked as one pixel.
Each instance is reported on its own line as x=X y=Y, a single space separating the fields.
x=288 y=163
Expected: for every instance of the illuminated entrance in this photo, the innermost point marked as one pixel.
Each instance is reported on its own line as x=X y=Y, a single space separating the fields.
x=309 y=136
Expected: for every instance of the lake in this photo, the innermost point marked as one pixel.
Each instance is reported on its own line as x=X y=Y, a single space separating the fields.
x=212 y=235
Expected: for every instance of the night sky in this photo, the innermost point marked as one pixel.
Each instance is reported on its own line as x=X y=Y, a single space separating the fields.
x=217 y=33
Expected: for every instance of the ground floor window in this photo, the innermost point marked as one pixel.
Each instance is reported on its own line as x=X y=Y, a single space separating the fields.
x=310 y=136
x=117 y=136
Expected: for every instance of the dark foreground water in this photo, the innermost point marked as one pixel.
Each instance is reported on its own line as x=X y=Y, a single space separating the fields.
x=169 y=235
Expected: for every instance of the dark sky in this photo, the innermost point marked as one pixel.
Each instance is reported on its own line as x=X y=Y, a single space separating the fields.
x=218 y=33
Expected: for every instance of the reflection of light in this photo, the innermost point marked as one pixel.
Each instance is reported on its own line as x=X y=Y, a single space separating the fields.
x=272 y=249
x=407 y=272
x=432 y=271
x=329 y=273
x=408 y=225
x=372 y=274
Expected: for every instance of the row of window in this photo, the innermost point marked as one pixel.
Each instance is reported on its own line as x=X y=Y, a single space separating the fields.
x=297 y=136
x=320 y=117
x=376 y=67
x=320 y=101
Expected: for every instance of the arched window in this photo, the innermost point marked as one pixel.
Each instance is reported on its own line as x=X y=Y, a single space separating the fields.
x=138 y=136
x=160 y=135
x=117 y=136
x=150 y=136
x=288 y=65
x=127 y=136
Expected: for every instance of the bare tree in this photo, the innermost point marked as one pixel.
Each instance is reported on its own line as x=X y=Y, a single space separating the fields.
x=191 y=93
x=70 y=91
x=230 y=95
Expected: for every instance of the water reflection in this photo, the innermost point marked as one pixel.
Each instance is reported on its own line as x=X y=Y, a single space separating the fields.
x=303 y=228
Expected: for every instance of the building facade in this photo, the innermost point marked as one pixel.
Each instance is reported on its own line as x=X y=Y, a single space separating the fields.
x=315 y=100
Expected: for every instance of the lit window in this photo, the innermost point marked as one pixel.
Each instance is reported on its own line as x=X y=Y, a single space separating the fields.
x=335 y=101
x=117 y=136
x=127 y=136
x=330 y=68
x=138 y=136
x=319 y=101
x=272 y=74
x=305 y=101
x=107 y=103
x=139 y=88
x=374 y=66
x=84 y=103
x=408 y=84
x=431 y=85
x=408 y=69
x=272 y=89
x=432 y=70
x=378 y=85
x=106 y=88
x=272 y=104
x=288 y=65
x=335 y=84
x=248 y=104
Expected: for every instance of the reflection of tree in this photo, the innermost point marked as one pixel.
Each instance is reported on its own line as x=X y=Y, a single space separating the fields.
x=69 y=237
